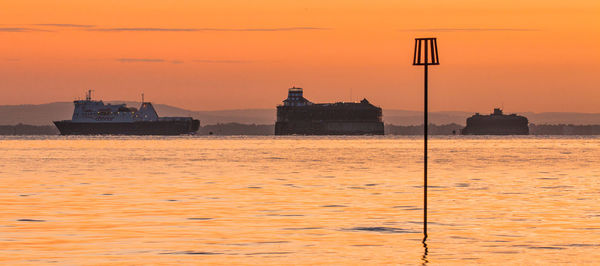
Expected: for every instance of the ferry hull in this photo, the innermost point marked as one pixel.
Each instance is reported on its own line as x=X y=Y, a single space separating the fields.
x=180 y=127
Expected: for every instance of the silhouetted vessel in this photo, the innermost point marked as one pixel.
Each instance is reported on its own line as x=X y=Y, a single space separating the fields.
x=299 y=116
x=96 y=118
x=496 y=123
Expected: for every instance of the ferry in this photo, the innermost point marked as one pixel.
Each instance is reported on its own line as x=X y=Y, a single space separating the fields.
x=92 y=117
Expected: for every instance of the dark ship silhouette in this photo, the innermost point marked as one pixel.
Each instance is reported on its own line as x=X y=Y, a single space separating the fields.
x=496 y=123
x=299 y=116
x=92 y=117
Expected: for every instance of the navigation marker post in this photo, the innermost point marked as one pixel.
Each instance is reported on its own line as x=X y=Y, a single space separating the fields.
x=426 y=54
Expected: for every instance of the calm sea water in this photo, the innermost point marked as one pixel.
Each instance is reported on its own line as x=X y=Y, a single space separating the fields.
x=298 y=200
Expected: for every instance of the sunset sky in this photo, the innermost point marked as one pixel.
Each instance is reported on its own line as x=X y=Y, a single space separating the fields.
x=525 y=55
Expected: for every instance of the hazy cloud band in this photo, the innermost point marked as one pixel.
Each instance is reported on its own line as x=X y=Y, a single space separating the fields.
x=160 y=60
x=20 y=30
x=470 y=29
x=65 y=25
x=147 y=60
x=221 y=61
x=205 y=29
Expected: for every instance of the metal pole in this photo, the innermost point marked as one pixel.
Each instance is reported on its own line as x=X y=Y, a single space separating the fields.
x=425 y=132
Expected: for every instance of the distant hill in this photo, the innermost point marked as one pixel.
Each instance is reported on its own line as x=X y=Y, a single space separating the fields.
x=409 y=118
x=40 y=114
x=400 y=117
x=44 y=114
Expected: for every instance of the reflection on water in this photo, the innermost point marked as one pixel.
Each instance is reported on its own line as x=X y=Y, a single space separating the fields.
x=425 y=251
x=300 y=200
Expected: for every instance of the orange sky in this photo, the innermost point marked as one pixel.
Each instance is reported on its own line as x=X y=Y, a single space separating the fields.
x=526 y=55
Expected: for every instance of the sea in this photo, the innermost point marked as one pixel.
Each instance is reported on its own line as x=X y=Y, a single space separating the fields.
x=239 y=200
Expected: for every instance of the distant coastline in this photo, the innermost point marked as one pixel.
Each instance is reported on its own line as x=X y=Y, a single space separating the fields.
x=44 y=114
x=230 y=129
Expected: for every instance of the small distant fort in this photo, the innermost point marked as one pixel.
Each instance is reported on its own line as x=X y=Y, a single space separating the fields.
x=299 y=116
x=496 y=123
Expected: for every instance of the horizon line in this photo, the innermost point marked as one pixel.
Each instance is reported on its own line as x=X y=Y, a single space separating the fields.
x=269 y=108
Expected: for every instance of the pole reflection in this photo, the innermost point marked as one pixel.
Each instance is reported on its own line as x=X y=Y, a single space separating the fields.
x=424 y=259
